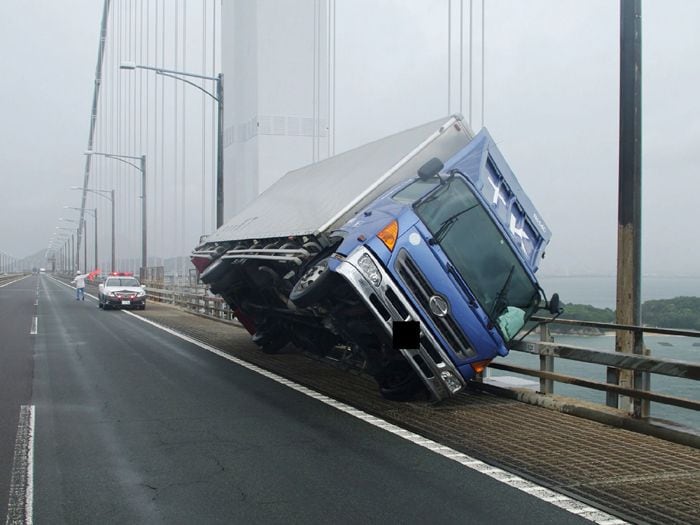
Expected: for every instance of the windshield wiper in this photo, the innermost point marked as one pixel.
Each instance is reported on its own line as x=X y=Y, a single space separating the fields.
x=502 y=295
x=435 y=193
x=447 y=224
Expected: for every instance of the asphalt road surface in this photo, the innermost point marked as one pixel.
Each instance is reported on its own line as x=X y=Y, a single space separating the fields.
x=135 y=425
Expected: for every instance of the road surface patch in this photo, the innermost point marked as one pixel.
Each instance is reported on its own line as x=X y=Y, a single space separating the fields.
x=21 y=500
x=542 y=493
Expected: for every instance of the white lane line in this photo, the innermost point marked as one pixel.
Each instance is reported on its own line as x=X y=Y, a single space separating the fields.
x=35 y=326
x=20 y=506
x=12 y=282
x=73 y=288
x=503 y=476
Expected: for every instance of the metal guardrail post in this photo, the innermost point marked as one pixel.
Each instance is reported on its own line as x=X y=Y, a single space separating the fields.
x=642 y=381
x=612 y=377
x=546 y=361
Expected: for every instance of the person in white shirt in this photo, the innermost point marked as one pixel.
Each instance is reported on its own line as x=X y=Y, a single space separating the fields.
x=79 y=286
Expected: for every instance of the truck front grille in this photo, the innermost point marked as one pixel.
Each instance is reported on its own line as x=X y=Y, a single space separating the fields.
x=423 y=291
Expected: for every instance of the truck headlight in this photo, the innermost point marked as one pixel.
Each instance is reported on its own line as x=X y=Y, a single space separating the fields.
x=370 y=269
x=451 y=382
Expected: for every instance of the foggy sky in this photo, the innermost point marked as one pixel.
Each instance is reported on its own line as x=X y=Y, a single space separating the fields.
x=48 y=52
x=551 y=103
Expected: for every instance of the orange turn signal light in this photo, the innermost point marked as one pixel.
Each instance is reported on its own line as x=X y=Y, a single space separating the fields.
x=480 y=366
x=389 y=234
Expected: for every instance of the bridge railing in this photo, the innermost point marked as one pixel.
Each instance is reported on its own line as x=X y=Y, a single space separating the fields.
x=642 y=366
x=7 y=277
x=194 y=298
x=199 y=300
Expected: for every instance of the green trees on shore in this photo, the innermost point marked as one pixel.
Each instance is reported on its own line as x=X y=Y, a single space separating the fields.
x=679 y=312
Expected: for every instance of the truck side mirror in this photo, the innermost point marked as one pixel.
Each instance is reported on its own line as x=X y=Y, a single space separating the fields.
x=554 y=305
x=430 y=168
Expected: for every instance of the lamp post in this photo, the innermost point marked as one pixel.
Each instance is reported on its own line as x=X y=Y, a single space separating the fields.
x=218 y=96
x=109 y=195
x=94 y=214
x=59 y=242
x=142 y=168
x=71 y=255
x=77 y=248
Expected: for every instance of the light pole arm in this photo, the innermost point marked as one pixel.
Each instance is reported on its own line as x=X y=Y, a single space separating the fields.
x=176 y=77
x=120 y=159
x=101 y=193
x=161 y=71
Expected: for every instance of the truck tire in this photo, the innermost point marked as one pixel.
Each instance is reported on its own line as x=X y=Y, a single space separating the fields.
x=270 y=339
x=398 y=381
x=312 y=285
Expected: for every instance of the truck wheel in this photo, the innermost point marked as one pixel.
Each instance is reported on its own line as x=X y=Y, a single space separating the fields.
x=270 y=341
x=312 y=285
x=273 y=346
x=398 y=381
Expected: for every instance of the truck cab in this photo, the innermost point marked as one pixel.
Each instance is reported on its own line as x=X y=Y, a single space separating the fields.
x=455 y=250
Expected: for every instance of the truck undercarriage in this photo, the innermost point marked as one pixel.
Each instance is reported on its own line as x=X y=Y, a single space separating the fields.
x=283 y=293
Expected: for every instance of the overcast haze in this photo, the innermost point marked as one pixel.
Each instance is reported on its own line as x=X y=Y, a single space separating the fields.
x=551 y=103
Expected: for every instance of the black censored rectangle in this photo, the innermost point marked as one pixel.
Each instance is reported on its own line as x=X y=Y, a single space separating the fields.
x=405 y=334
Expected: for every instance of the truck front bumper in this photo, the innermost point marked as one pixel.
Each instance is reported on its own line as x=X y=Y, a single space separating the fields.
x=388 y=303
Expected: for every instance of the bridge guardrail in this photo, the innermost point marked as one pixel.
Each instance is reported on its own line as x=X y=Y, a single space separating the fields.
x=637 y=363
x=198 y=300
x=195 y=299
x=6 y=278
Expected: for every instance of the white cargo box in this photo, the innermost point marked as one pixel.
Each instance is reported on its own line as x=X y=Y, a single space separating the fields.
x=321 y=197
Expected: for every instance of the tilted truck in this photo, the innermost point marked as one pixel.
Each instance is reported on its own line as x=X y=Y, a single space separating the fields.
x=413 y=257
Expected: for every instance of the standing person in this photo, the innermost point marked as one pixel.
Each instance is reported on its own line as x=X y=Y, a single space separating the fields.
x=79 y=286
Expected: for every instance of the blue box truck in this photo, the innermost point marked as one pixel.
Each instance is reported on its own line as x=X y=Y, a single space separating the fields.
x=412 y=257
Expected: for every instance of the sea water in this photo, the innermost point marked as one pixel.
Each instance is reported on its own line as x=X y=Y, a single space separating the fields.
x=600 y=292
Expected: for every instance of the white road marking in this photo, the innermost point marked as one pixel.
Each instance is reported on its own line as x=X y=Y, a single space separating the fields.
x=73 y=288
x=35 y=326
x=12 y=282
x=559 y=500
x=20 y=506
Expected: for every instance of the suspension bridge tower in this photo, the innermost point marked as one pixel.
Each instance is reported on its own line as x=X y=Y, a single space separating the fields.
x=276 y=82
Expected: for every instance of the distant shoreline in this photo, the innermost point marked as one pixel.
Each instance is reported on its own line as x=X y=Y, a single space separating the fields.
x=612 y=276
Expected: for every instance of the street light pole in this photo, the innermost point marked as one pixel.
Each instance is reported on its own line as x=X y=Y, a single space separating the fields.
x=142 y=168
x=114 y=260
x=85 y=247
x=109 y=195
x=77 y=248
x=144 y=217
x=219 y=98
x=220 y=151
x=70 y=242
x=94 y=214
x=96 y=259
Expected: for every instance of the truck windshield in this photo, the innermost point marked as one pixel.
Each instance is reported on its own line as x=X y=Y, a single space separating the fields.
x=479 y=252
